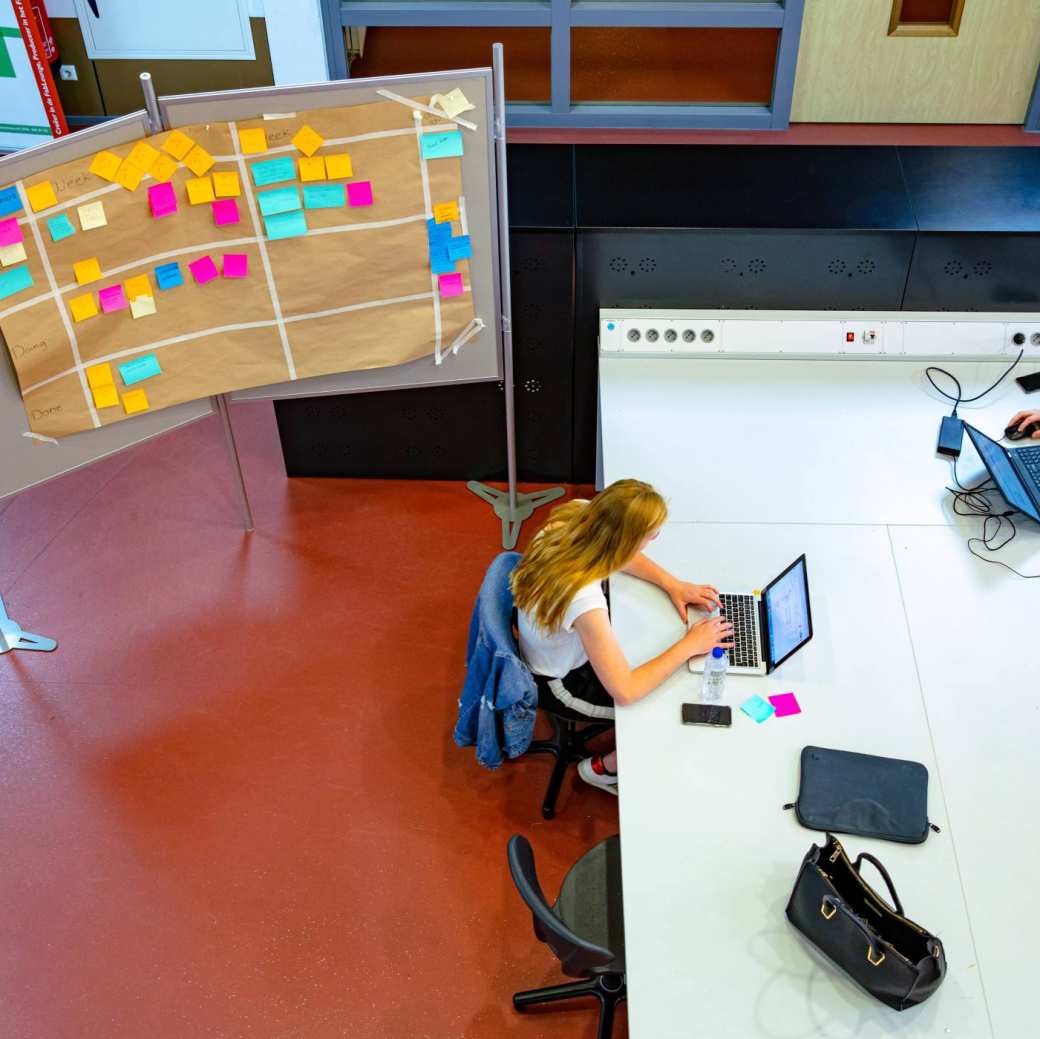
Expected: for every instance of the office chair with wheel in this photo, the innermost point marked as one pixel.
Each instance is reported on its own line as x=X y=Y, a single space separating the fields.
x=584 y=928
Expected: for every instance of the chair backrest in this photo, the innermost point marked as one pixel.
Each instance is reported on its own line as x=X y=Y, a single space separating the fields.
x=578 y=958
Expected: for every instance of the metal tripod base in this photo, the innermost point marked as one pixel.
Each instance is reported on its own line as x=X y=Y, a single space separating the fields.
x=12 y=636
x=513 y=518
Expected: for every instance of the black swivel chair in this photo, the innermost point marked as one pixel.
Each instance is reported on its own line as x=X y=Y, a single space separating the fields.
x=584 y=929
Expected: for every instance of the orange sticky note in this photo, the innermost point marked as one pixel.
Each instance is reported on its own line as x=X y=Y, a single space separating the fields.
x=312 y=169
x=178 y=144
x=445 y=211
x=308 y=140
x=198 y=160
x=87 y=270
x=225 y=185
x=104 y=165
x=142 y=155
x=252 y=141
x=99 y=375
x=129 y=175
x=200 y=189
x=135 y=401
x=83 y=307
x=137 y=286
x=163 y=168
x=105 y=396
x=41 y=196
x=338 y=166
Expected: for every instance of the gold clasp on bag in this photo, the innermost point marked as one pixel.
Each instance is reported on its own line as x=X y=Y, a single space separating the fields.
x=871 y=960
x=824 y=906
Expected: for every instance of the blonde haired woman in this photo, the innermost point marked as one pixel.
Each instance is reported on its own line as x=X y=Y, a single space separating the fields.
x=562 y=612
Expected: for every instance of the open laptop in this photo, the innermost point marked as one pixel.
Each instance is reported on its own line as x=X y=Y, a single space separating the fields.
x=768 y=627
x=1016 y=473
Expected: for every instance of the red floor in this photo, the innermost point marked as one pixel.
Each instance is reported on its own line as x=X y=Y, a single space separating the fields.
x=229 y=802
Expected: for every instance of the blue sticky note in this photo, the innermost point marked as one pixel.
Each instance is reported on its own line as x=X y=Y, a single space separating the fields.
x=757 y=708
x=60 y=227
x=323 y=196
x=9 y=201
x=441 y=262
x=169 y=276
x=280 y=200
x=273 y=171
x=459 y=248
x=438 y=234
x=286 y=225
x=14 y=280
x=140 y=368
x=441 y=145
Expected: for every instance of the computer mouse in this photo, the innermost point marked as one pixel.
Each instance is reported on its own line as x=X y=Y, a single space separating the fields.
x=1017 y=433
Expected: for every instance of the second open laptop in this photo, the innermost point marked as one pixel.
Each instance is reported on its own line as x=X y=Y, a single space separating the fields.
x=767 y=627
x=1016 y=473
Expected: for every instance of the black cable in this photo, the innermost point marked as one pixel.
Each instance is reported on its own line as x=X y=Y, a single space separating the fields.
x=960 y=398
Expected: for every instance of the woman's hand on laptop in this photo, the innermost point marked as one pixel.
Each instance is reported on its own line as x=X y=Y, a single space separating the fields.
x=704 y=637
x=703 y=596
x=1025 y=419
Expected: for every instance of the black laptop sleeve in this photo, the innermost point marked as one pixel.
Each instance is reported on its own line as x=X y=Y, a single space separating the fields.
x=844 y=792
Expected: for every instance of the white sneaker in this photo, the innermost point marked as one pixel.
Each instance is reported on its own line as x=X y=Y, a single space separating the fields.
x=593 y=772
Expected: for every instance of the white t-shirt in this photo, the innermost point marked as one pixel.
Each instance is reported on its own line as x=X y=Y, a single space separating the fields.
x=555 y=654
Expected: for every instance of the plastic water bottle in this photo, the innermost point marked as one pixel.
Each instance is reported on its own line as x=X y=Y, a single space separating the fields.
x=715 y=665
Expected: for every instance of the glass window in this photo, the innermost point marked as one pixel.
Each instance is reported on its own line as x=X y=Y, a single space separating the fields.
x=925 y=17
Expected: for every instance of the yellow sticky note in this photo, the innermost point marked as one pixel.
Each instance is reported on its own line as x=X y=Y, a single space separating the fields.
x=92 y=215
x=83 y=307
x=142 y=155
x=312 y=169
x=198 y=160
x=41 y=196
x=105 y=396
x=128 y=175
x=308 y=140
x=104 y=165
x=87 y=270
x=137 y=286
x=135 y=401
x=99 y=375
x=163 y=168
x=338 y=166
x=452 y=103
x=142 y=306
x=12 y=254
x=445 y=211
x=252 y=141
x=225 y=185
x=178 y=144
x=200 y=189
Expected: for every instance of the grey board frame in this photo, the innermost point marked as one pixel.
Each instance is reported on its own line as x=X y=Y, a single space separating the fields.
x=25 y=462
x=479 y=360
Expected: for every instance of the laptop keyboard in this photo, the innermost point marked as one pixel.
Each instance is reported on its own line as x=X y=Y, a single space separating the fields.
x=742 y=612
x=1029 y=457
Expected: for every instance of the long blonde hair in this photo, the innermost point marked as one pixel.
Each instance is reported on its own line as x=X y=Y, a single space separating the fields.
x=583 y=542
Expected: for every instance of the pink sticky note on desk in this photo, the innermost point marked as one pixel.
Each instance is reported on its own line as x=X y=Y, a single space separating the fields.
x=236 y=265
x=113 y=298
x=225 y=211
x=162 y=199
x=785 y=704
x=360 y=193
x=450 y=284
x=10 y=232
x=203 y=270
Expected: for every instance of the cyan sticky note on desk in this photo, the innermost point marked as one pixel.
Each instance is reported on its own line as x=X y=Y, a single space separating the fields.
x=168 y=275
x=459 y=248
x=273 y=171
x=280 y=200
x=286 y=225
x=60 y=227
x=9 y=201
x=441 y=145
x=441 y=262
x=757 y=708
x=139 y=369
x=14 y=280
x=323 y=196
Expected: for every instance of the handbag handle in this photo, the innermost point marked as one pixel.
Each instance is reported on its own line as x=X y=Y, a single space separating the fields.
x=884 y=872
x=875 y=955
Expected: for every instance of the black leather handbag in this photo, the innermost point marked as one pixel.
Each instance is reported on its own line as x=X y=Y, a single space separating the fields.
x=894 y=959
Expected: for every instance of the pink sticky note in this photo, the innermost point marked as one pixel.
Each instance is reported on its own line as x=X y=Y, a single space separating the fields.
x=450 y=284
x=785 y=704
x=360 y=193
x=225 y=211
x=203 y=270
x=236 y=265
x=162 y=199
x=10 y=232
x=113 y=298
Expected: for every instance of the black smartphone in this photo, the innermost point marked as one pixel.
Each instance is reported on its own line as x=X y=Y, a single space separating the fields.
x=1029 y=383
x=706 y=714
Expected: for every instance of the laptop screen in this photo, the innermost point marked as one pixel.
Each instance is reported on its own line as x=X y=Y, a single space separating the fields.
x=1009 y=483
x=787 y=607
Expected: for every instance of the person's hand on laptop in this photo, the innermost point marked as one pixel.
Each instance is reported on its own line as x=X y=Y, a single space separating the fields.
x=1028 y=422
x=703 y=596
x=704 y=637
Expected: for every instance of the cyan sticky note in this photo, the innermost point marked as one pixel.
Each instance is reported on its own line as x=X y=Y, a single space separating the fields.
x=139 y=369
x=273 y=171
x=14 y=280
x=280 y=200
x=168 y=275
x=785 y=704
x=323 y=196
x=441 y=262
x=286 y=225
x=438 y=234
x=60 y=227
x=441 y=145
x=756 y=708
x=459 y=247
x=9 y=201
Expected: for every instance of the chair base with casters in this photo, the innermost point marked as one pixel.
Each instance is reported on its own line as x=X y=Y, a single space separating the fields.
x=609 y=989
x=568 y=746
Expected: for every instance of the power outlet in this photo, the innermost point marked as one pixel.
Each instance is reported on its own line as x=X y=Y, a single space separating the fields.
x=68 y=73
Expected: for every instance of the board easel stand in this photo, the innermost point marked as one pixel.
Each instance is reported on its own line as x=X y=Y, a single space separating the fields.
x=13 y=637
x=511 y=505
